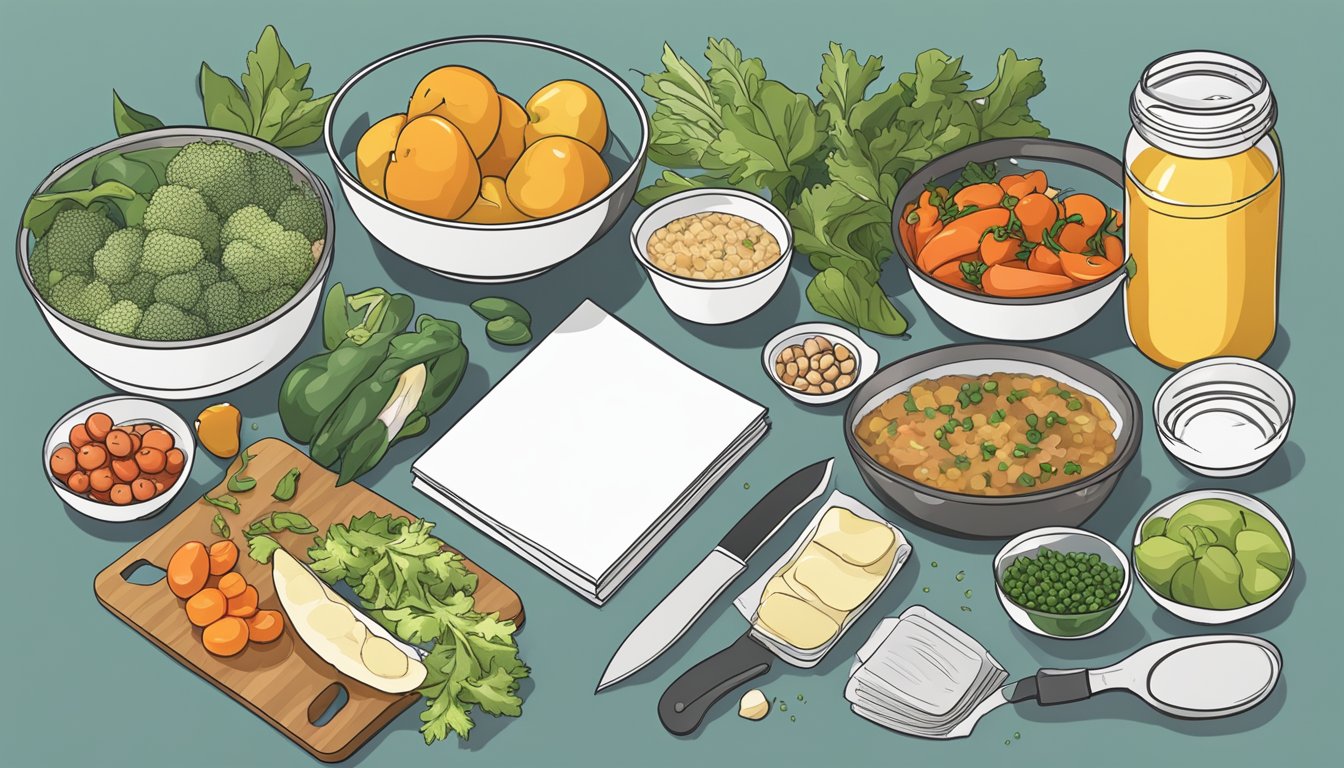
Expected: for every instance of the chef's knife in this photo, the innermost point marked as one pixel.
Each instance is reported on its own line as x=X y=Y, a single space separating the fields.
x=670 y=619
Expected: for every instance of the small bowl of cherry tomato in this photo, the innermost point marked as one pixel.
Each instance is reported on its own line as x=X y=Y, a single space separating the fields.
x=118 y=458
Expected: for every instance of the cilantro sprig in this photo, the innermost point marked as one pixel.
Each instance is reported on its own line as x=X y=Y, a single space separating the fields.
x=422 y=593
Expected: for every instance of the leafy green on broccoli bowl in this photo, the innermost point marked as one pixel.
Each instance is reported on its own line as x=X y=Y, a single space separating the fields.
x=178 y=239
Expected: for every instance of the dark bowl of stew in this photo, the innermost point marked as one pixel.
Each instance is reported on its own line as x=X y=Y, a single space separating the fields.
x=992 y=440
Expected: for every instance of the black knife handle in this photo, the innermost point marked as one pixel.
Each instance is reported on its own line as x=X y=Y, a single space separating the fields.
x=772 y=511
x=1053 y=686
x=687 y=700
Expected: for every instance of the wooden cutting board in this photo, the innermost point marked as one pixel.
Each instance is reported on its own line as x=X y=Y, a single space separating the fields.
x=283 y=682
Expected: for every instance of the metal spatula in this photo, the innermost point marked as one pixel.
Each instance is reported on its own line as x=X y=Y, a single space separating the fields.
x=1198 y=677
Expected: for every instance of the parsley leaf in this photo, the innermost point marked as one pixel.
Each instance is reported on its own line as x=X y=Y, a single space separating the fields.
x=408 y=583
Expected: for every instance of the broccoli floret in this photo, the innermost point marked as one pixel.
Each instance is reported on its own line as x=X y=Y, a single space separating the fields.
x=120 y=318
x=39 y=266
x=182 y=211
x=207 y=272
x=164 y=322
x=181 y=290
x=80 y=297
x=72 y=239
x=219 y=306
x=218 y=170
x=119 y=259
x=139 y=290
x=260 y=254
x=255 y=306
x=302 y=212
x=169 y=254
x=271 y=180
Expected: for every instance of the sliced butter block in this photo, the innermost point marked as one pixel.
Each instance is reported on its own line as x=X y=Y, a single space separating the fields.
x=855 y=539
x=795 y=622
x=836 y=583
x=884 y=564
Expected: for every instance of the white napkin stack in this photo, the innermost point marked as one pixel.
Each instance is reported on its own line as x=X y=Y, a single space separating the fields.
x=919 y=674
x=590 y=451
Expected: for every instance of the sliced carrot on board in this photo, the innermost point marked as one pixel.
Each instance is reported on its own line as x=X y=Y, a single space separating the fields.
x=981 y=196
x=994 y=251
x=1085 y=269
x=1044 y=260
x=1003 y=280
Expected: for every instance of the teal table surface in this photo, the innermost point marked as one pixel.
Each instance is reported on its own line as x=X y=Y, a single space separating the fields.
x=81 y=688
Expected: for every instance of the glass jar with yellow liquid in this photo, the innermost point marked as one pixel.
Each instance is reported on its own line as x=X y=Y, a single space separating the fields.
x=1203 y=204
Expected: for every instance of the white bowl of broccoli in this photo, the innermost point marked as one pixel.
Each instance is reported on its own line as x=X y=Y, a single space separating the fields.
x=178 y=262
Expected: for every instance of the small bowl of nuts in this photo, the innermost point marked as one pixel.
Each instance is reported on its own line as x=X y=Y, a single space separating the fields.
x=714 y=256
x=818 y=363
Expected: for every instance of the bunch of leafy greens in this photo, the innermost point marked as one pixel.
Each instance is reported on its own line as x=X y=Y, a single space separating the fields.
x=833 y=165
x=274 y=103
x=422 y=593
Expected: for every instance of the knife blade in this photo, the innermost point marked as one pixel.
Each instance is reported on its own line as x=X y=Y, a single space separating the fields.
x=675 y=614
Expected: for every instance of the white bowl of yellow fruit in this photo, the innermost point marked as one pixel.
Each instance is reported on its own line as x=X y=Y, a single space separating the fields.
x=509 y=157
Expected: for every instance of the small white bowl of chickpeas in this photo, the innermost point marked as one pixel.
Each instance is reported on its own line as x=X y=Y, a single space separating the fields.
x=714 y=256
x=818 y=363
x=118 y=458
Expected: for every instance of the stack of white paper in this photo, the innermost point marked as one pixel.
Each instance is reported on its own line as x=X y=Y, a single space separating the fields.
x=918 y=674
x=590 y=451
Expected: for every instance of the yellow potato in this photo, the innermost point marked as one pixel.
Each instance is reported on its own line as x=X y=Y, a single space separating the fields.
x=567 y=108
x=374 y=152
x=509 y=142
x=464 y=97
x=554 y=175
x=433 y=170
x=493 y=206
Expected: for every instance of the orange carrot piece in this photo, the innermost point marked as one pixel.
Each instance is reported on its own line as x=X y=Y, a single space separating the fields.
x=1114 y=250
x=1003 y=280
x=1074 y=237
x=1037 y=214
x=979 y=195
x=994 y=251
x=960 y=237
x=1037 y=181
x=1092 y=211
x=1015 y=185
x=1085 y=269
x=1044 y=260
x=928 y=226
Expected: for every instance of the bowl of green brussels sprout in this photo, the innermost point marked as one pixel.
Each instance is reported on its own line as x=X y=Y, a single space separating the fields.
x=1213 y=556
x=1065 y=583
x=178 y=262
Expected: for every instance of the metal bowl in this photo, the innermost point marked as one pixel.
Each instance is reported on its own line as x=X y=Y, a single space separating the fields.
x=1027 y=318
x=487 y=253
x=967 y=515
x=183 y=370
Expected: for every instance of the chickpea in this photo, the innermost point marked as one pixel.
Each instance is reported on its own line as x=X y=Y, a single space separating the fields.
x=817 y=366
x=713 y=246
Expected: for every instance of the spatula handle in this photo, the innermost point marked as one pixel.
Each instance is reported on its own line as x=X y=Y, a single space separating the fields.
x=1053 y=686
x=685 y=703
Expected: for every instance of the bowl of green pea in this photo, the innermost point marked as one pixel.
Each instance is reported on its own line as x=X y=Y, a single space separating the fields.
x=1065 y=583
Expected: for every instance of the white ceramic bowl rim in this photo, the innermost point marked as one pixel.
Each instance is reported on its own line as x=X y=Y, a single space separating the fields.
x=131 y=143
x=1050 y=150
x=769 y=210
x=1246 y=500
x=1285 y=417
x=139 y=509
x=352 y=183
